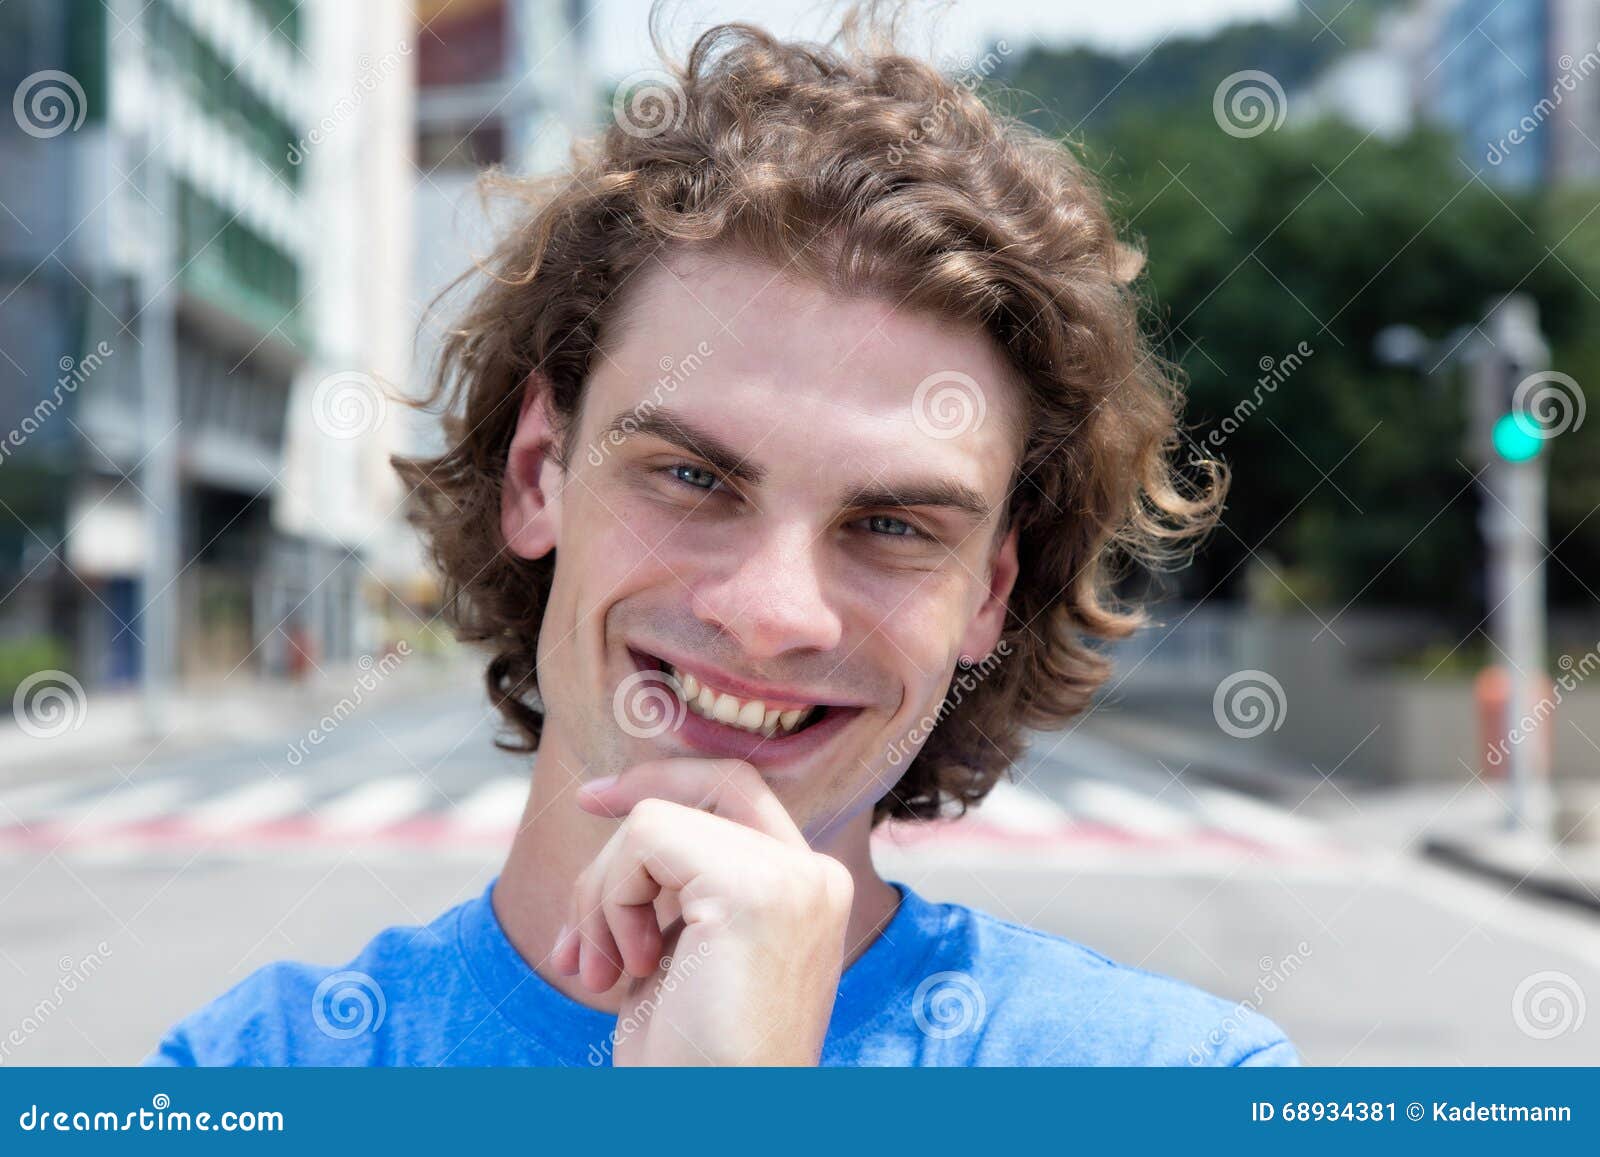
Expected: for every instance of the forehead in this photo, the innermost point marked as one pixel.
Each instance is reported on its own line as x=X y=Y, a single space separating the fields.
x=790 y=370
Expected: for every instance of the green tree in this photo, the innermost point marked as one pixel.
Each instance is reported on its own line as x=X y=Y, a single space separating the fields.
x=1352 y=474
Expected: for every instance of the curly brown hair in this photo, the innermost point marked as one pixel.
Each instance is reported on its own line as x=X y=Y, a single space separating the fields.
x=871 y=172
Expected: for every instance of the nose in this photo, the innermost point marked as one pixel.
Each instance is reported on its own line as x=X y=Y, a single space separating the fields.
x=774 y=599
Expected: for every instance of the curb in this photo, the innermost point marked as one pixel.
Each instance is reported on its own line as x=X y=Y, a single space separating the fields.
x=1548 y=870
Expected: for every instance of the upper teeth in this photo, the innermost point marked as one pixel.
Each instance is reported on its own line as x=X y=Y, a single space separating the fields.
x=749 y=714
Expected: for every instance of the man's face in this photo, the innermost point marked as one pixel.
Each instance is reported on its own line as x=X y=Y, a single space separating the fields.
x=770 y=544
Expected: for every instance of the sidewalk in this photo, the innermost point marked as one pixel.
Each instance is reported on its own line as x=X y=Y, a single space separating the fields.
x=111 y=728
x=1460 y=824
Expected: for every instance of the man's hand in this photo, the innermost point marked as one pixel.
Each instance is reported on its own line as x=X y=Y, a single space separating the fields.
x=753 y=919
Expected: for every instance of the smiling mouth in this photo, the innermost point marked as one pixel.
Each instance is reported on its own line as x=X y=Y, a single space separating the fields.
x=751 y=715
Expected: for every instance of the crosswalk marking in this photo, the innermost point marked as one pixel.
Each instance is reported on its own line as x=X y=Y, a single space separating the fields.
x=1093 y=818
x=495 y=805
x=259 y=801
x=1254 y=820
x=1110 y=803
x=374 y=805
x=24 y=804
x=119 y=805
x=1021 y=809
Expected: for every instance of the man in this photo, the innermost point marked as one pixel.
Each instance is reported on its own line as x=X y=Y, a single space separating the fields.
x=793 y=432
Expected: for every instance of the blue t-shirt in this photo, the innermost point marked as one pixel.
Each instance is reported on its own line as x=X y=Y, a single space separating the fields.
x=941 y=985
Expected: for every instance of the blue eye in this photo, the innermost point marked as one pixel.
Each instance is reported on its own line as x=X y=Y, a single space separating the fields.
x=895 y=527
x=696 y=476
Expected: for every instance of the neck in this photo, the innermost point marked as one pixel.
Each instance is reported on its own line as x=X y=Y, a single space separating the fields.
x=557 y=840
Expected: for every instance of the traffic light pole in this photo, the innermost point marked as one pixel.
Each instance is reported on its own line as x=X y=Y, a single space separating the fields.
x=1513 y=523
x=1517 y=623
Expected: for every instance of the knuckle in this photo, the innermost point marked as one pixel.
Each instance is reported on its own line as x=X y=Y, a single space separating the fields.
x=820 y=888
x=739 y=776
x=648 y=815
x=837 y=885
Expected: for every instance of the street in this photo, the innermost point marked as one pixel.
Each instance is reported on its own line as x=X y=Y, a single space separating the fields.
x=157 y=886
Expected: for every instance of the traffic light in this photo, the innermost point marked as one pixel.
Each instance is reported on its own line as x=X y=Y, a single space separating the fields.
x=1516 y=438
x=1509 y=384
x=1542 y=406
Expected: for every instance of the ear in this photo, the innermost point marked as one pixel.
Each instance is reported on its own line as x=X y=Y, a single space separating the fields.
x=983 y=633
x=530 y=495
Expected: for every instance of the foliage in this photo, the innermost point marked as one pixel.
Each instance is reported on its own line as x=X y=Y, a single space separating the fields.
x=1352 y=478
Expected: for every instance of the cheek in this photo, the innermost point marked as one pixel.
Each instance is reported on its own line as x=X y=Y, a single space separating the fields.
x=924 y=618
x=612 y=546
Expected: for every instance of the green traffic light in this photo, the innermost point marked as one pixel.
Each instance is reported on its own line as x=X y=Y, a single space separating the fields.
x=1516 y=439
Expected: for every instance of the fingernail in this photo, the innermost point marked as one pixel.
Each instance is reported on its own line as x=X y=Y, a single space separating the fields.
x=599 y=785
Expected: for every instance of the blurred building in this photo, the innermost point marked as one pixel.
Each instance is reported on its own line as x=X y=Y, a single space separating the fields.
x=1519 y=83
x=1373 y=86
x=500 y=83
x=207 y=217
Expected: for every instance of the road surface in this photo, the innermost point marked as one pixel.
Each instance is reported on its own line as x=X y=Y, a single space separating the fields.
x=157 y=886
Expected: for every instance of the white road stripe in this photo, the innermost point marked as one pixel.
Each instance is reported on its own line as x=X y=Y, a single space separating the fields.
x=496 y=805
x=1241 y=815
x=374 y=805
x=1019 y=808
x=37 y=800
x=1116 y=806
x=124 y=804
x=259 y=801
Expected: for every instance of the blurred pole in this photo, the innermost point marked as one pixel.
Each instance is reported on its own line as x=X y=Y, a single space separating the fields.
x=158 y=384
x=1513 y=523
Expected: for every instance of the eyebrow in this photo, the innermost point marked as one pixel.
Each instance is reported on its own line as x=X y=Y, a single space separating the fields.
x=937 y=493
x=669 y=427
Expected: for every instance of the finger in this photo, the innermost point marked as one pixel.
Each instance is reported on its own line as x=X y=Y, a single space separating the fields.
x=679 y=849
x=668 y=908
x=730 y=788
x=628 y=894
x=599 y=958
x=564 y=956
x=637 y=934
